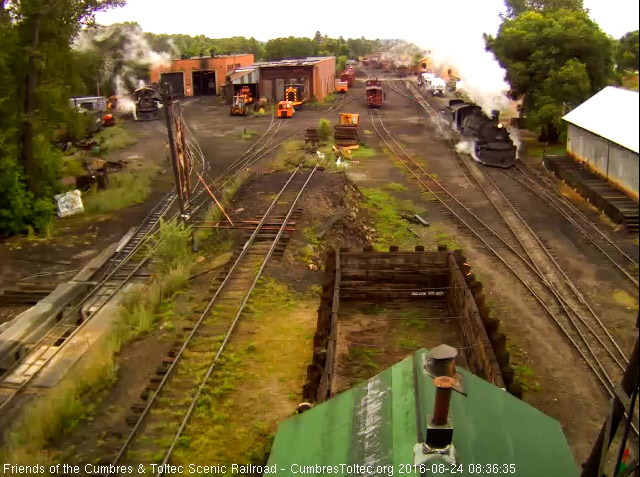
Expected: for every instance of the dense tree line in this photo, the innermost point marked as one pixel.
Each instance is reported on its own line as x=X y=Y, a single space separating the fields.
x=37 y=73
x=556 y=57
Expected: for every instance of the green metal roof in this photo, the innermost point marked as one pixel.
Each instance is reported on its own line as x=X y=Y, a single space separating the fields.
x=375 y=423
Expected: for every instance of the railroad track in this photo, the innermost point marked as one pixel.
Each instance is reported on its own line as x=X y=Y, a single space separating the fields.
x=126 y=263
x=539 y=186
x=190 y=366
x=543 y=189
x=587 y=334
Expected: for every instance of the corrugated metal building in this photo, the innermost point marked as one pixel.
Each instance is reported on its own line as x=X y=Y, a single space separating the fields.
x=248 y=76
x=603 y=133
x=382 y=423
x=316 y=74
x=199 y=76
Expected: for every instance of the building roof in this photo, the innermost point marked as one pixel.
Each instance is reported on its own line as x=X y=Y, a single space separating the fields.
x=241 y=72
x=376 y=423
x=311 y=60
x=611 y=114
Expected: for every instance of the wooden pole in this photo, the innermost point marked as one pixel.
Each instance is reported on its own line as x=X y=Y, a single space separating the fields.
x=167 y=98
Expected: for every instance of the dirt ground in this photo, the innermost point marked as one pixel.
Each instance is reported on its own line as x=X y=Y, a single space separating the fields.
x=374 y=338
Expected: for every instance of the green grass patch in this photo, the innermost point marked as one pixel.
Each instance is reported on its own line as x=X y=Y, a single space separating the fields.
x=73 y=165
x=524 y=375
x=256 y=384
x=247 y=134
x=395 y=186
x=387 y=212
x=125 y=189
x=438 y=236
x=115 y=137
x=290 y=154
x=330 y=98
x=363 y=356
x=622 y=298
x=60 y=409
x=551 y=150
x=364 y=151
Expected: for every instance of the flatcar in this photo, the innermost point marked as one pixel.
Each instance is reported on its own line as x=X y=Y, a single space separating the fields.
x=373 y=93
x=489 y=141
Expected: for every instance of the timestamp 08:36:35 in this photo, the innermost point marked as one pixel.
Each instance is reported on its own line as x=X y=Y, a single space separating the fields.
x=443 y=468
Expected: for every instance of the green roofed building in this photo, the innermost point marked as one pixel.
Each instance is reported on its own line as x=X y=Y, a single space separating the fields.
x=378 y=428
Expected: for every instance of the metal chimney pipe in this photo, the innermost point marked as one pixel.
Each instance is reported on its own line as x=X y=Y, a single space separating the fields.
x=443 y=384
x=443 y=360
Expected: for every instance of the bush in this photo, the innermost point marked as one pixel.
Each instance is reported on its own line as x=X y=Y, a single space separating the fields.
x=19 y=209
x=324 y=129
x=125 y=189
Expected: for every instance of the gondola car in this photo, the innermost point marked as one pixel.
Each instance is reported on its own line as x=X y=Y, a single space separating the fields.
x=489 y=140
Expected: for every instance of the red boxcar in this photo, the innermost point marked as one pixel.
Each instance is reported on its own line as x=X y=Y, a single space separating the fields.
x=374 y=93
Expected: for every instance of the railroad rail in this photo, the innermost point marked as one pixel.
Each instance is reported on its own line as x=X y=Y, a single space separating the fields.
x=590 y=344
x=191 y=366
x=540 y=186
x=124 y=265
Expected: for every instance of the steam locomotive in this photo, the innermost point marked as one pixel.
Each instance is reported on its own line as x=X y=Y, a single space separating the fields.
x=488 y=139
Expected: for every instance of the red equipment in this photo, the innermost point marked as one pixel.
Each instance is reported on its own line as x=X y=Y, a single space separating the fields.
x=374 y=93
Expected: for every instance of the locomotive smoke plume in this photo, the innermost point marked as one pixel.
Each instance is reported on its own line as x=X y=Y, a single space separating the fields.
x=126 y=53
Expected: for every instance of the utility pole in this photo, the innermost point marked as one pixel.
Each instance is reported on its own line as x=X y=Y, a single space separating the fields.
x=167 y=99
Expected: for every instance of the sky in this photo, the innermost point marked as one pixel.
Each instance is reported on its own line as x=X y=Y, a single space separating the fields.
x=451 y=29
x=406 y=19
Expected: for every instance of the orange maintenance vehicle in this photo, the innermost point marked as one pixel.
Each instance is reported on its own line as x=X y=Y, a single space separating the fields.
x=342 y=86
x=241 y=102
x=285 y=109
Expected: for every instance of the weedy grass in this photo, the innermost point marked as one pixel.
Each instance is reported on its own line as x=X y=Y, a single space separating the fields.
x=257 y=382
x=363 y=152
x=125 y=189
x=247 y=134
x=395 y=186
x=363 y=356
x=115 y=137
x=524 y=375
x=387 y=212
x=290 y=154
x=330 y=98
x=61 y=408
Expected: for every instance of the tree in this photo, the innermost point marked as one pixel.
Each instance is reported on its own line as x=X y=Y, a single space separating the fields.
x=550 y=57
x=517 y=7
x=36 y=69
x=627 y=52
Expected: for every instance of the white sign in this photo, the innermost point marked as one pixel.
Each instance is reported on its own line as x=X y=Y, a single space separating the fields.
x=69 y=203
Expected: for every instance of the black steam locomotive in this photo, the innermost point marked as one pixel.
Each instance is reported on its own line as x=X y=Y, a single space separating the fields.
x=488 y=139
x=147 y=104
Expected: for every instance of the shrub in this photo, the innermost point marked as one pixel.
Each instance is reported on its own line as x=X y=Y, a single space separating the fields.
x=324 y=129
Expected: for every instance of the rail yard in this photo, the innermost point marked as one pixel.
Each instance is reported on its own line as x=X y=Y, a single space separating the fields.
x=329 y=239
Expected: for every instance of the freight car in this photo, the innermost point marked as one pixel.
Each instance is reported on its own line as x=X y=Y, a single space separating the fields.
x=487 y=138
x=402 y=71
x=373 y=93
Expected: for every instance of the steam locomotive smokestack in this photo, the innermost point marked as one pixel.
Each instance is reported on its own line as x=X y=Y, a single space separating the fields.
x=495 y=116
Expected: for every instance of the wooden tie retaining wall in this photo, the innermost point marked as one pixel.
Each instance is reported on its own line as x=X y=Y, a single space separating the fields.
x=403 y=276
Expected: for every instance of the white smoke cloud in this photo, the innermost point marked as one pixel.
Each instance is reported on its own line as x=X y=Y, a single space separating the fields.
x=133 y=50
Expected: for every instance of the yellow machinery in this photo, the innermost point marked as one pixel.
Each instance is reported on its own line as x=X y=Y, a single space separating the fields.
x=346 y=132
x=342 y=86
x=285 y=109
x=241 y=102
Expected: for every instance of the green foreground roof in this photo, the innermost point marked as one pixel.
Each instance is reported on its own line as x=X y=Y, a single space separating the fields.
x=376 y=424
